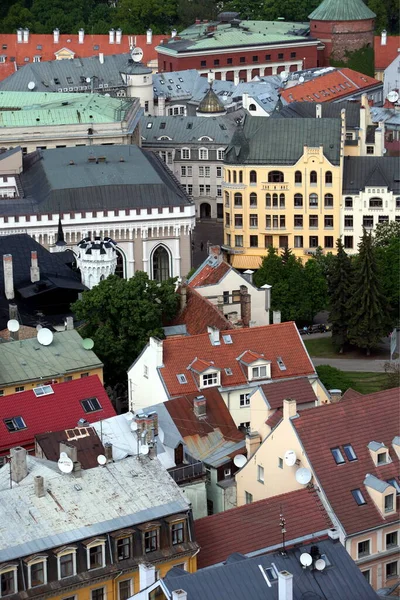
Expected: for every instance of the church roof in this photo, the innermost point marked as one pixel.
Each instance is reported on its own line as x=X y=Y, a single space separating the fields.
x=211 y=103
x=342 y=10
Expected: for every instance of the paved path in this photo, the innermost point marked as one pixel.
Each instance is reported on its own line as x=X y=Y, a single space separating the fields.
x=353 y=364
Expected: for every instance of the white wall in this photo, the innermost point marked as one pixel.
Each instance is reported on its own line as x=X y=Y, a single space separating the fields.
x=145 y=391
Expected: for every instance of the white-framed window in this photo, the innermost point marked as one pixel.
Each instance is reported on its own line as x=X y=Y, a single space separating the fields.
x=66 y=563
x=244 y=400
x=220 y=154
x=219 y=191
x=96 y=554
x=125 y=589
x=219 y=171
x=185 y=153
x=37 y=58
x=37 y=571
x=248 y=497
x=389 y=503
x=203 y=153
x=260 y=473
x=210 y=379
x=8 y=580
x=258 y=372
x=98 y=594
x=392 y=539
x=364 y=548
x=392 y=569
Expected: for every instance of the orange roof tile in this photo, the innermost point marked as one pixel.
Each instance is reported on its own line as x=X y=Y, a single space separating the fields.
x=255 y=526
x=201 y=365
x=356 y=421
x=274 y=419
x=199 y=313
x=281 y=340
x=249 y=357
x=384 y=55
x=335 y=84
x=209 y=274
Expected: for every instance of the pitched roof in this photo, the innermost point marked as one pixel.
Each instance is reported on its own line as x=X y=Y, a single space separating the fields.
x=329 y=110
x=255 y=526
x=209 y=273
x=342 y=10
x=385 y=54
x=199 y=313
x=362 y=171
x=356 y=421
x=299 y=389
x=186 y=130
x=275 y=418
x=84 y=439
x=280 y=340
x=330 y=86
x=60 y=410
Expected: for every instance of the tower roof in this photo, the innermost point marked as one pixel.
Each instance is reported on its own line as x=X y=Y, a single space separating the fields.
x=342 y=10
x=211 y=103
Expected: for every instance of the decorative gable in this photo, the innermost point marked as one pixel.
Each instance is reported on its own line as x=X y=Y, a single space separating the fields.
x=258 y=367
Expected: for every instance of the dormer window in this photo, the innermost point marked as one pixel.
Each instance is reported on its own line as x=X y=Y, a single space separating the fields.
x=210 y=379
x=258 y=372
x=258 y=367
x=379 y=453
x=389 y=503
x=382 y=493
x=381 y=458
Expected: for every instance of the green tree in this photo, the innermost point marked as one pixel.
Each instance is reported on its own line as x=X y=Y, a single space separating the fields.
x=18 y=16
x=387 y=247
x=315 y=288
x=121 y=314
x=136 y=16
x=340 y=289
x=368 y=321
x=379 y=8
x=333 y=379
x=386 y=232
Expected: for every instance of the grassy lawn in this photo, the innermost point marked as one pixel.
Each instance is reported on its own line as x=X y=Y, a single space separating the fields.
x=366 y=383
x=320 y=347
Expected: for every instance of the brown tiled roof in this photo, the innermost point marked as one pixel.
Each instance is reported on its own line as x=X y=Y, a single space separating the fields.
x=332 y=85
x=199 y=313
x=24 y=333
x=281 y=340
x=350 y=393
x=255 y=526
x=297 y=389
x=86 y=441
x=209 y=274
x=384 y=55
x=274 y=419
x=357 y=421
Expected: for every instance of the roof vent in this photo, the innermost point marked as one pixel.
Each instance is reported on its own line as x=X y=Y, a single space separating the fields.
x=71 y=162
x=121 y=159
x=92 y=159
x=102 y=159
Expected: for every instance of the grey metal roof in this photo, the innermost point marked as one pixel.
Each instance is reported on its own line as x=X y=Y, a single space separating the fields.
x=129 y=177
x=245 y=578
x=27 y=360
x=375 y=483
x=374 y=446
x=390 y=116
x=281 y=141
x=186 y=130
x=363 y=171
x=396 y=440
x=119 y=495
x=330 y=110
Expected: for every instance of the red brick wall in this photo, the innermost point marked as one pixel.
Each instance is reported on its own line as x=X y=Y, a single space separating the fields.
x=342 y=36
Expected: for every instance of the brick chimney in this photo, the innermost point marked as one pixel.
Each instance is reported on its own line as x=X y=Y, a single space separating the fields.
x=179 y=595
x=245 y=306
x=35 y=271
x=336 y=395
x=213 y=333
x=108 y=451
x=8 y=276
x=38 y=483
x=157 y=346
x=81 y=36
x=19 y=465
x=56 y=36
x=215 y=252
x=13 y=314
x=253 y=441
x=200 y=406
x=383 y=37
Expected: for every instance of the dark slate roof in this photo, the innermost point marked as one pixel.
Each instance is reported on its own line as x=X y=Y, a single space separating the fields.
x=243 y=579
x=360 y=172
x=128 y=178
x=88 y=446
x=282 y=141
x=186 y=130
x=330 y=110
x=342 y=10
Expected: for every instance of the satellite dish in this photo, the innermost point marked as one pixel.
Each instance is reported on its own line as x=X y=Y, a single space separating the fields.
x=88 y=79
x=101 y=459
x=144 y=449
x=290 y=458
x=44 y=336
x=303 y=476
x=137 y=54
x=392 y=96
x=320 y=564
x=65 y=464
x=134 y=426
x=301 y=79
x=31 y=85
x=88 y=343
x=283 y=75
x=12 y=325
x=239 y=460
x=306 y=559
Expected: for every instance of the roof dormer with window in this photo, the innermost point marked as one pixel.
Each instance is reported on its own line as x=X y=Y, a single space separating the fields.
x=382 y=493
x=258 y=367
x=379 y=453
x=206 y=373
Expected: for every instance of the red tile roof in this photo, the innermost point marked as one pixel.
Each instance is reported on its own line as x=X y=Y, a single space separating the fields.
x=85 y=439
x=61 y=410
x=384 y=55
x=356 y=421
x=70 y=41
x=332 y=85
x=199 y=313
x=217 y=416
x=201 y=365
x=249 y=357
x=255 y=526
x=274 y=419
x=209 y=274
x=281 y=340
x=298 y=389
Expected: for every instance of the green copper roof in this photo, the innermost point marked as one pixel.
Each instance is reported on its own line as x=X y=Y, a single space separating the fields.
x=342 y=10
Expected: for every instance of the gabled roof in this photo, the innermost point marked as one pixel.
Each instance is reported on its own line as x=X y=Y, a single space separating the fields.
x=362 y=171
x=199 y=313
x=280 y=340
x=384 y=55
x=377 y=177
x=330 y=86
x=329 y=110
x=342 y=10
x=200 y=366
x=299 y=389
x=186 y=130
x=249 y=357
x=356 y=421
x=60 y=410
x=253 y=527
x=209 y=273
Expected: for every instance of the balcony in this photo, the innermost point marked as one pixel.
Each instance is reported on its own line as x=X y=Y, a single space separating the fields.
x=275 y=187
x=187 y=472
x=233 y=186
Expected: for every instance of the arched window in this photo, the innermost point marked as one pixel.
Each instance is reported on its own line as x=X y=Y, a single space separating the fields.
x=298 y=200
x=238 y=200
x=313 y=200
x=253 y=177
x=298 y=178
x=240 y=176
x=252 y=107
x=229 y=176
x=328 y=177
x=227 y=199
x=275 y=200
x=267 y=200
x=161 y=264
x=375 y=203
x=328 y=200
x=234 y=176
x=281 y=200
x=276 y=177
x=313 y=177
x=253 y=200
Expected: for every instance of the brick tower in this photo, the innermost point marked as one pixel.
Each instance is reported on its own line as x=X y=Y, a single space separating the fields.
x=341 y=25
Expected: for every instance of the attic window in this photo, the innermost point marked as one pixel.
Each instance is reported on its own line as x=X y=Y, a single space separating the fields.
x=182 y=378
x=349 y=452
x=281 y=364
x=149 y=125
x=271 y=574
x=91 y=405
x=43 y=390
x=395 y=484
x=228 y=371
x=162 y=125
x=227 y=338
x=69 y=80
x=15 y=424
x=338 y=456
x=258 y=372
x=358 y=497
x=56 y=81
x=382 y=458
x=189 y=126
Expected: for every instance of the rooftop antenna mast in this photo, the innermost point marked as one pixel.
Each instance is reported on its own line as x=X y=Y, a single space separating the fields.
x=282 y=524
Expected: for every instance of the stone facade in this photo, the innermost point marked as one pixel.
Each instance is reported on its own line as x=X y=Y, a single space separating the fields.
x=340 y=37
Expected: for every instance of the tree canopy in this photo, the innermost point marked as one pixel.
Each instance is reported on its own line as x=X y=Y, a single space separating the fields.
x=121 y=314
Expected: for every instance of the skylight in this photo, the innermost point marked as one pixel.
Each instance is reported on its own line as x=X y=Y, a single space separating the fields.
x=43 y=390
x=91 y=405
x=338 y=456
x=182 y=378
x=349 y=452
x=228 y=371
x=281 y=364
x=149 y=125
x=15 y=424
x=271 y=575
x=358 y=497
x=227 y=338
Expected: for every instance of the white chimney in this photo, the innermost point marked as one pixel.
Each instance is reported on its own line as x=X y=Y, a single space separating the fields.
x=149 y=36
x=8 y=276
x=81 y=36
x=56 y=36
x=173 y=33
x=289 y=408
x=213 y=333
x=318 y=111
x=147 y=575
x=118 y=38
x=161 y=106
x=26 y=35
x=69 y=323
x=35 y=271
x=19 y=35
x=285 y=585
x=157 y=346
x=179 y=595
x=210 y=76
x=101 y=58
x=383 y=37
x=333 y=533
x=38 y=483
x=111 y=36
x=19 y=465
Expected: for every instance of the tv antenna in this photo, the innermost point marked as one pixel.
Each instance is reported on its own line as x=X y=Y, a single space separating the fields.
x=290 y=458
x=303 y=476
x=65 y=464
x=44 y=336
x=306 y=559
x=239 y=460
x=282 y=524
